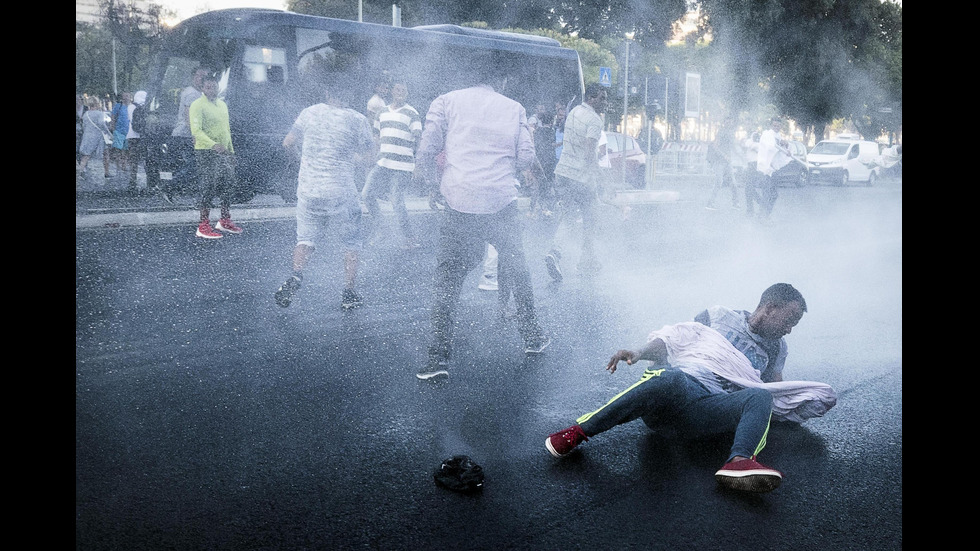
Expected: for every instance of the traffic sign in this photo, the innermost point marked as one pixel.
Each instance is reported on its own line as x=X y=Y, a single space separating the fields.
x=605 y=76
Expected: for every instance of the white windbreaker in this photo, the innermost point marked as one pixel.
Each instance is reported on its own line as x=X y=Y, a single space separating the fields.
x=699 y=350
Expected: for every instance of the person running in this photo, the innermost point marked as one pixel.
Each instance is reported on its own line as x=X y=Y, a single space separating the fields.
x=335 y=140
x=719 y=374
x=399 y=127
x=486 y=142
x=576 y=178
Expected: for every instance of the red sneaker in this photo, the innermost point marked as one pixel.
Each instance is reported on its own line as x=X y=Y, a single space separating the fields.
x=560 y=443
x=225 y=224
x=748 y=475
x=207 y=232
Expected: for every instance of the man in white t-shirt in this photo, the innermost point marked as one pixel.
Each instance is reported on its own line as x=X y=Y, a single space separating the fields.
x=713 y=376
x=336 y=142
x=765 y=192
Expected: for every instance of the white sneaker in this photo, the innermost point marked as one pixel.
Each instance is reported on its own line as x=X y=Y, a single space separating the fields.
x=488 y=284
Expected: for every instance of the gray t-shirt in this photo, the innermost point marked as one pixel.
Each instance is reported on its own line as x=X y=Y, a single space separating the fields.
x=578 y=159
x=182 y=128
x=332 y=139
x=767 y=356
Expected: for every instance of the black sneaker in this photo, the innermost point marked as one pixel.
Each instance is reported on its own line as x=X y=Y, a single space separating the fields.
x=350 y=299
x=286 y=291
x=554 y=268
x=435 y=369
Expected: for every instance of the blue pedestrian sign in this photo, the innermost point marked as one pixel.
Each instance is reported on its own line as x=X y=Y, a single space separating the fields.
x=605 y=76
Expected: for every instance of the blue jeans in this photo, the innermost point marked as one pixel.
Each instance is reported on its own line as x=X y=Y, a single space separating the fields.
x=669 y=399
x=378 y=181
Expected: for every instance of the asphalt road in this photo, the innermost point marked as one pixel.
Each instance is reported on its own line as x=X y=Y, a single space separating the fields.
x=209 y=418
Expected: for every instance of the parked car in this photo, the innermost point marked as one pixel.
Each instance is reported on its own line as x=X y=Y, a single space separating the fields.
x=625 y=149
x=796 y=172
x=841 y=161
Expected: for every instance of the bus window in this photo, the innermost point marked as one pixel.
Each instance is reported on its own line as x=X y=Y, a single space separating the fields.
x=264 y=65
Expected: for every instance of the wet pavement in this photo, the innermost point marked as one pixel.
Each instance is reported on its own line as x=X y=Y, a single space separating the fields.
x=209 y=418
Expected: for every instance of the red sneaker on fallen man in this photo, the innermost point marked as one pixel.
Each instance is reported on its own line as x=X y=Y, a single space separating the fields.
x=748 y=475
x=562 y=442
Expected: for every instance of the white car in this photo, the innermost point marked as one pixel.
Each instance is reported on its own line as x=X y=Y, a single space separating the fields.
x=841 y=161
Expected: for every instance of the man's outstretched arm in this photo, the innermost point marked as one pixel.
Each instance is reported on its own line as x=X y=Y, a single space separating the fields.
x=654 y=351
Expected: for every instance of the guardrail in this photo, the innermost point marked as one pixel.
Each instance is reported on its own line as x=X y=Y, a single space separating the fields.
x=683 y=158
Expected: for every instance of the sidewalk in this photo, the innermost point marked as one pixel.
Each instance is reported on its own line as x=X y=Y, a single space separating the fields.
x=106 y=203
x=101 y=203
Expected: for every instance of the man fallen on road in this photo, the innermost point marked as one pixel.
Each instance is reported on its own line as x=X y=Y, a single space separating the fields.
x=720 y=374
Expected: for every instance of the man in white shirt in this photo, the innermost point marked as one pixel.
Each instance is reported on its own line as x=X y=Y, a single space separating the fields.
x=486 y=142
x=765 y=192
x=577 y=177
x=332 y=142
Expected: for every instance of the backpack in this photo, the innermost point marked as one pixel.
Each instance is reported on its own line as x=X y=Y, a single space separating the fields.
x=139 y=119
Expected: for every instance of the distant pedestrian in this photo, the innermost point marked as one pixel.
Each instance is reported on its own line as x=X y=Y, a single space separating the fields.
x=120 y=128
x=534 y=121
x=487 y=143
x=79 y=111
x=181 y=141
x=135 y=142
x=720 y=158
x=544 y=176
x=766 y=191
x=334 y=141
x=379 y=101
x=94 y=133
x=215 y=159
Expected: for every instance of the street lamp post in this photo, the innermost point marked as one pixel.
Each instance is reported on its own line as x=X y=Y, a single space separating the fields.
x=626 y=99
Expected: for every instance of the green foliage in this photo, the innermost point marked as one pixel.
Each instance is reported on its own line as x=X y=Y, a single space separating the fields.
x=591 y=55
x=815 y=60
x=134 y=33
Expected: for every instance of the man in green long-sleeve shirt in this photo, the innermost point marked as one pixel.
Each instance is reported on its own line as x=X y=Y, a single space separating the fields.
x=215 y=157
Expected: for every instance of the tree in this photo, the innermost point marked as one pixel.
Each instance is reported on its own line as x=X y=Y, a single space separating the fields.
x=816 y=60
x=139 y=33
x=93 y=60
x=651 y=22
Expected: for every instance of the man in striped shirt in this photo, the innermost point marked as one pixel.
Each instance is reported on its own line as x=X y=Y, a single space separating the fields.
x=399 y=127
